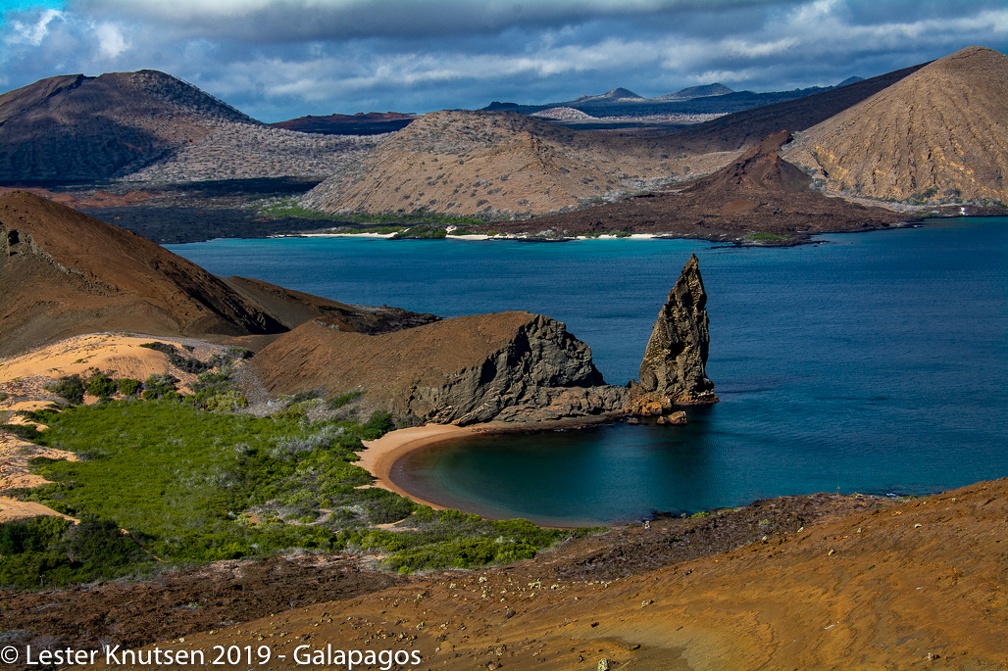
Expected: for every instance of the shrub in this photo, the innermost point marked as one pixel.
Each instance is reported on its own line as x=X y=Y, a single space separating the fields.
x=70 y=387
x=127 y=386
x=50 y=551
x=160 y=386
x=337 y=402
x=377 y=426
x=25 y=431
x=102 y=386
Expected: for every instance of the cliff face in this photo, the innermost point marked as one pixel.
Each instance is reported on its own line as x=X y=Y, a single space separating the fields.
x=509 y=366
x=673 y=371
x=504 y=367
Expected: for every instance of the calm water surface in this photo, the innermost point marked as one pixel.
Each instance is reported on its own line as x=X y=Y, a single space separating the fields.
x=872 y=362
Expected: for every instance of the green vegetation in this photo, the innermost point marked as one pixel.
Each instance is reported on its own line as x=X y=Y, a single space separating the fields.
x=190 y=480
x=389 y=222
x=184 y=363
x=52 y=552
x=452 y=538
x=127 y=386
x=102 y=386
x=767 y=237
x=288 y=208
x=337 y=402
x=421 y=232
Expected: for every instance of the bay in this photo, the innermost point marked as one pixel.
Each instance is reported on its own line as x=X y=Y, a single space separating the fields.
x=874 y=362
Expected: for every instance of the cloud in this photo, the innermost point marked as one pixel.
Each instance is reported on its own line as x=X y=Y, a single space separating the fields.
x=282 y=58
x=111 y=42
x=269 y=21
x=32 y=30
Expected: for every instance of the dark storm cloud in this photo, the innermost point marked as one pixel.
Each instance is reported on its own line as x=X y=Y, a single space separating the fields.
x=265 y=21
x=278 y=59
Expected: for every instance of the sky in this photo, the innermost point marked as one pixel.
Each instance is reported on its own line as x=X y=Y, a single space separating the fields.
x=279 y=59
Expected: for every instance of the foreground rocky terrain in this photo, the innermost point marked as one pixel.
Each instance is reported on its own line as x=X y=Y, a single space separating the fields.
x=823 y=582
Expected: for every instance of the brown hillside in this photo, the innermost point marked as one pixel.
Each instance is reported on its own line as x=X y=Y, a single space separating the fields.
x=293 y=308
x=154 y=126
x=740 y=130
x=821 y=582
x=77 y=127
x=940 y=133
x=758 y=193
x=64 y=273
x=485 y=162
x=508 y=365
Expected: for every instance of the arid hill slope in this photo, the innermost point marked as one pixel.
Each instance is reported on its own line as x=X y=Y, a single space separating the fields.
x=484 y=162
x=503 y=366
x=756 y=194
x=64 y=273
x=77 y=127
x=941 y=132
x=74 y=127
x=878 y=585
x=741 y=130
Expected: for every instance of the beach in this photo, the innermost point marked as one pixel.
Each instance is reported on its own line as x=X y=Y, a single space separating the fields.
x=380 y=455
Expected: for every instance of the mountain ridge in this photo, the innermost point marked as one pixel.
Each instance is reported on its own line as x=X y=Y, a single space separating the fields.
x=65 y=273
x=940 y=134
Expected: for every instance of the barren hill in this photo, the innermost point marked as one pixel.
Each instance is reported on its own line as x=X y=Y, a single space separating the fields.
x=77 y=127
x=74 y=127
x=743 y=129
x=940 y=133
x=483 y=162
x=508 y=365
x=64 y=273
x=758 y=196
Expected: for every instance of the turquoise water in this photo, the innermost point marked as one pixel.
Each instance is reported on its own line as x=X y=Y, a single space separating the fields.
x=872 y=362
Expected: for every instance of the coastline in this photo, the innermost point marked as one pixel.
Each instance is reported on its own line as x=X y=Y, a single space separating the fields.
x=379 y=456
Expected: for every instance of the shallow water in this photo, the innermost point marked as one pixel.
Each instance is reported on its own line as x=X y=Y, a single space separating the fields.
x=871 y=362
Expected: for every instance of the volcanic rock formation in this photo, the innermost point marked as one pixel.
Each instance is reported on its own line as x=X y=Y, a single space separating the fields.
x=673 y=371
x=508 y=366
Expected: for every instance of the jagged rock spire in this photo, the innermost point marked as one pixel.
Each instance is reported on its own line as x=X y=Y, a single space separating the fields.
x=673 y=370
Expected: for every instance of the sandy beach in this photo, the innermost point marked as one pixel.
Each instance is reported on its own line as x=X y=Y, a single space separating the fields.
x=380 y=455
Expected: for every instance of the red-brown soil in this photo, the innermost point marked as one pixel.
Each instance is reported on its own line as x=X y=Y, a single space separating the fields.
x=821 y=582
x=758 y=193
x=64 y=273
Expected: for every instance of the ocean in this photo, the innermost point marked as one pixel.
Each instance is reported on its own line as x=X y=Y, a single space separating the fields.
x=870 y=362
